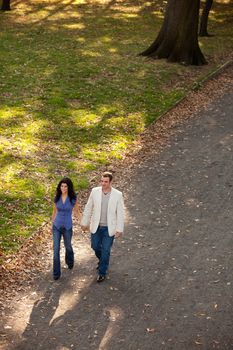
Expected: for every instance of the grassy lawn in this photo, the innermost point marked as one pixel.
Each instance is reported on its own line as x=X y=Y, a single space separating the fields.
x=74 y=94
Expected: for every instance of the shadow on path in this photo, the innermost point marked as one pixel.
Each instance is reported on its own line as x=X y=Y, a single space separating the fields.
x=170 y=284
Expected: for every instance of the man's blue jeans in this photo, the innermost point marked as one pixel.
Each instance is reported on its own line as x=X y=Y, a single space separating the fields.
x=101 y=243
x=69 y=255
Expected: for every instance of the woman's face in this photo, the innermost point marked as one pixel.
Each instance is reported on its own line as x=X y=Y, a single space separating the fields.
x=64 y=188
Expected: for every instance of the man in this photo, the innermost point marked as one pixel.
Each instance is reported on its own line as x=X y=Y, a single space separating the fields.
x=104 y=215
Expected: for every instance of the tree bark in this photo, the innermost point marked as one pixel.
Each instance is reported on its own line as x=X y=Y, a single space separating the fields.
x=5 y=5
x=178 y=37
x=204 y=18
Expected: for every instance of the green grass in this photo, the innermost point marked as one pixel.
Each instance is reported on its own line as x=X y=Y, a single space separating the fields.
x=74 y=94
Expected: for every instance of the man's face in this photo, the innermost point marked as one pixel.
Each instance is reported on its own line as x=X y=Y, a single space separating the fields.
x=105 y=183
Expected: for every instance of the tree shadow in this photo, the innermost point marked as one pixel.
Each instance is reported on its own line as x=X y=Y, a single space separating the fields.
x=162 y=291
x=65 y=66
x=56 y=111
x=85 y=320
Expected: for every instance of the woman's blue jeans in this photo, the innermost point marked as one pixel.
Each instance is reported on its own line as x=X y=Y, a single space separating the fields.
x=101 y=243
x=69 y=254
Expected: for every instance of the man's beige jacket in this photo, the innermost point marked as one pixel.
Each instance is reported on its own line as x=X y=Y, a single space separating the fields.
x=115 y=215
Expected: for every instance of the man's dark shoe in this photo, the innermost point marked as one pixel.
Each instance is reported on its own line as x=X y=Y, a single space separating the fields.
x=70 y=266
x=100 y=278
x=56 y=278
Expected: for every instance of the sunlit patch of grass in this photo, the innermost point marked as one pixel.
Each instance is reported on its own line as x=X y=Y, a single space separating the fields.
x=83 y=118
x=21 y=212
x=74 y=26
x=12 y=167
x=84 y=167
x=74 y=95
x=81 y=183
x=95 y=155
x=28 y=188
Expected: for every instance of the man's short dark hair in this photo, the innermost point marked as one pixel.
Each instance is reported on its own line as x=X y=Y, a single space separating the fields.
x=108 y=174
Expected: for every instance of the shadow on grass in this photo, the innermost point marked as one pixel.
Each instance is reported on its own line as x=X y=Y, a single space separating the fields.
x=151 y=296
x=74 y=94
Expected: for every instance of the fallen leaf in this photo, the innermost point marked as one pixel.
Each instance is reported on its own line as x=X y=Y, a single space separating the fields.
x=151 y=330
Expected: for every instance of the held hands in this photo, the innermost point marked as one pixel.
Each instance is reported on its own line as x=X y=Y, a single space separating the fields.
x=118 y=234
x=84 y=228
x=79 y=216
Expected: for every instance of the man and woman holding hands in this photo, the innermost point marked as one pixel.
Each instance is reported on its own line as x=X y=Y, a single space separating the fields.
x=103 y=216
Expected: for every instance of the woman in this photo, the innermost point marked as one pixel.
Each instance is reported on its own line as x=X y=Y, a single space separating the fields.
x=65 y=202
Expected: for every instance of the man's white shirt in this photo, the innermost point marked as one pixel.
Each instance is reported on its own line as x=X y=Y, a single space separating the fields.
x=115 y=213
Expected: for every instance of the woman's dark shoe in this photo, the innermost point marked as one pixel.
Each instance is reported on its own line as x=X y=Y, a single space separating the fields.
x=100 y=278
x=56 y=278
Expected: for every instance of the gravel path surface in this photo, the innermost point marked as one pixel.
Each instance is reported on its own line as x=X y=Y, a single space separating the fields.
x=170 y=284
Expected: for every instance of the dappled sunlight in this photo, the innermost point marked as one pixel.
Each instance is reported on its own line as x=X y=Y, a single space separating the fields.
x=9 y=172
x=129 y=123
x=95 y=155
x=25 y=308
x=217 y=13
x=83 y=166
x=90 y=53
x=19 y=130
x=111 y=110
x=70 y=297
x=21 y=205
x=214 y=16
x=113 y=50
x=33 y=127
x=158 y=14
x=73 y=100
x=106 y=39
x=36 y=11
x=51 y=309
x=201 y=43
x=74 y=26
x=80 y=39
x=85 y=119
x=12 y=115
x=20 y=146
x=115 y=316
x=23 y=186
x=125 y=16
x=74 y=93
x=111 y=149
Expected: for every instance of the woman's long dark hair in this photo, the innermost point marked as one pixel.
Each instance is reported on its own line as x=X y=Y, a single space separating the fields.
x=71 y=193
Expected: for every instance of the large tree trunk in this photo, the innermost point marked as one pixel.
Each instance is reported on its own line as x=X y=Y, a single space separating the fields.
x=5 y=5
x=178 y=37
x=204 y=18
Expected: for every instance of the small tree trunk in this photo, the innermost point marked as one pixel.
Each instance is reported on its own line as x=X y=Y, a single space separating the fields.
x=204 y=18
x=5 y=5
x=178 y=37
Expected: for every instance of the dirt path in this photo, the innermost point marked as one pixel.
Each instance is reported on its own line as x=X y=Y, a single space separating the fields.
x=170 y=283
